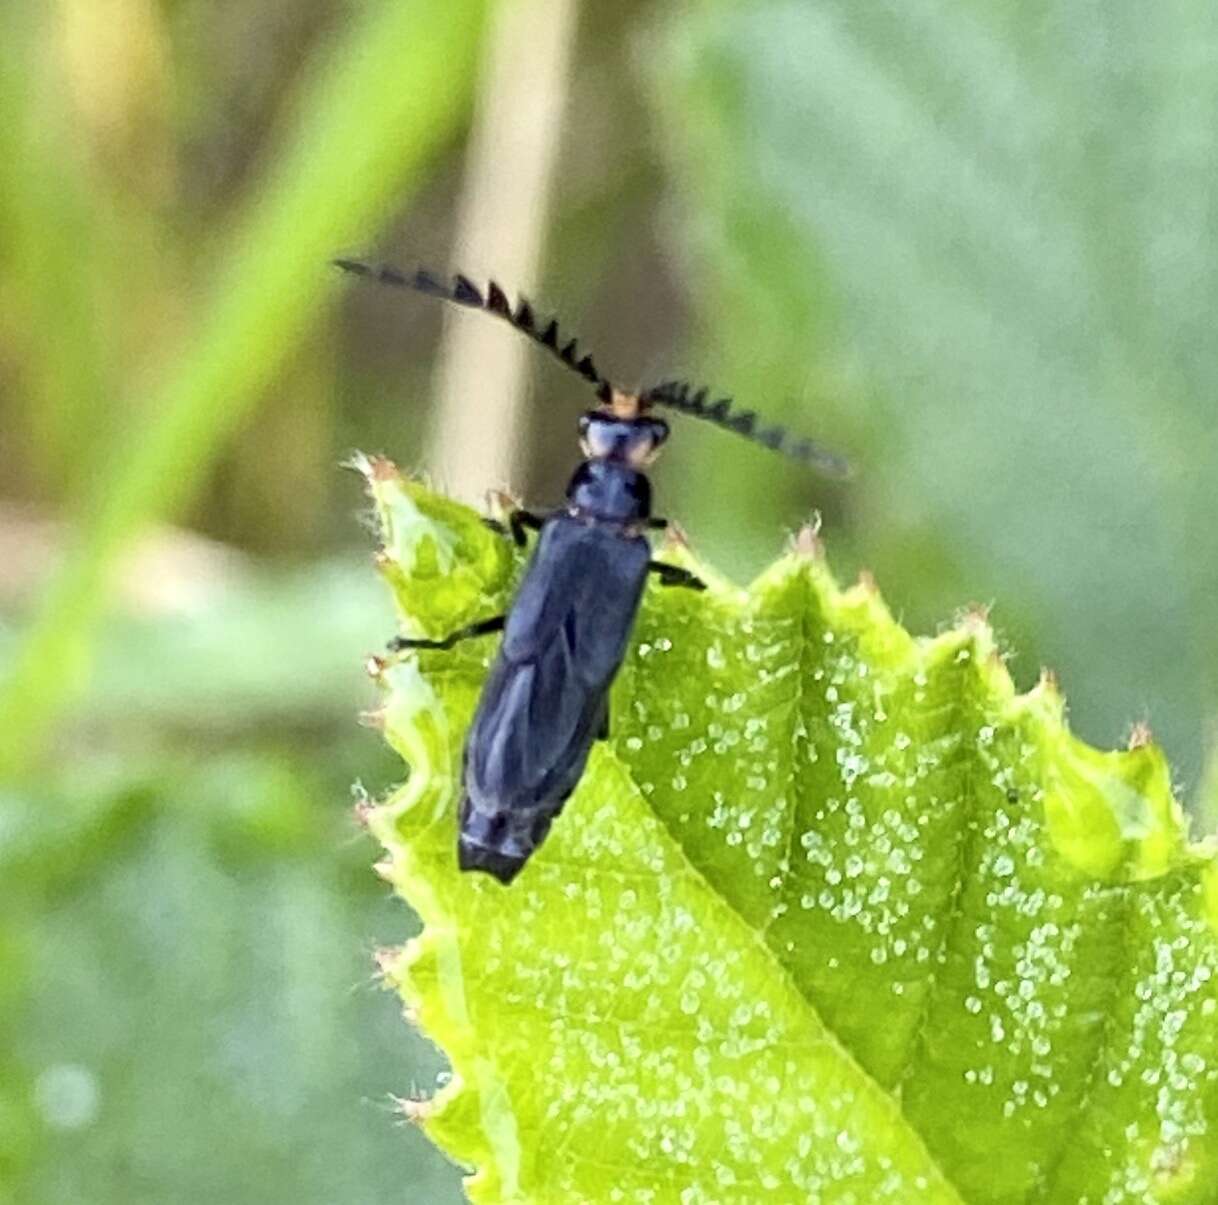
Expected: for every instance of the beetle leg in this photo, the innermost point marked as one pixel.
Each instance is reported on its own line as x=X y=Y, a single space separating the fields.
x=602 y=733
x=655 y=524
x=481 y=628
x=518 y=522
x=674 y=575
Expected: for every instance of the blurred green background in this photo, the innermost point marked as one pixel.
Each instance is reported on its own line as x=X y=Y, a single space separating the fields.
x=970 y=245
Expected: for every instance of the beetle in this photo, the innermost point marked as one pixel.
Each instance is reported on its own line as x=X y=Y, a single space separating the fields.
x=546 y=698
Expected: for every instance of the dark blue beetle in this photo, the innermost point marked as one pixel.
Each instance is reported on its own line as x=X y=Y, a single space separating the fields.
x=546 y=698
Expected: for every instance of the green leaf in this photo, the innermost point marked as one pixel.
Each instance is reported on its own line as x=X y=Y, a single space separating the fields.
x=972 y=244
x=197 y=924
x=835 y=914
x=368 y=120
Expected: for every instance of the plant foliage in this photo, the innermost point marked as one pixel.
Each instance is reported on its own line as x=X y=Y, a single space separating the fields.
x=976 y=242
x=835 y=914
x=358 y=124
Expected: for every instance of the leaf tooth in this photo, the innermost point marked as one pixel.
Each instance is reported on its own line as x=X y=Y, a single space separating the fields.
x=414 y=1109
x=376 y=468
x=1048 y=690
x=373 y=718
x=806 y=541
x=807 y=544
x=975 y=620
x=388 y=960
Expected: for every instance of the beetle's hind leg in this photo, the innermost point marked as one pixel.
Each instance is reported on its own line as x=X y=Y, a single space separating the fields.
x=482 y=628
x=674 y=575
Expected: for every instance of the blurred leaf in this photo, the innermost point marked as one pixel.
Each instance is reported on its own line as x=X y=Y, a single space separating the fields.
x=275 y=648
x=366 y=124
x=1207 y=794
x=978 y=242
x=834 y=915
x=56 y=238
x=196 y=1018
x=46 y=850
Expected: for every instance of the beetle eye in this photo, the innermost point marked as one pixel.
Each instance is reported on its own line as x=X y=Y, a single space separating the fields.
x=602 y=435
x=607 y=438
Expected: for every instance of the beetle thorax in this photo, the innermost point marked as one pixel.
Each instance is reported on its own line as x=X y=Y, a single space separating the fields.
x=611 y=491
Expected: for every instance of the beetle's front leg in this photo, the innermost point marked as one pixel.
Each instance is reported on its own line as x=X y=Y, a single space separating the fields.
x=519 y=521
x=482 y=628
x=674 y=575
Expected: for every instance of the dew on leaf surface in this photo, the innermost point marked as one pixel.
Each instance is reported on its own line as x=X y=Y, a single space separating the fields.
x=629 y=981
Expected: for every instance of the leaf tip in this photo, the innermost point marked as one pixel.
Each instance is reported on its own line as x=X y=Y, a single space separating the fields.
x=413 y=1109
x=1048 y=694
x=388 y=961
x=384 y=869
x=807 y=544
x=362 y=810
x=975 y=619
x=501 y=503
x=974 y=622
x=357 y=462
x=373 y=718
x=375 y=469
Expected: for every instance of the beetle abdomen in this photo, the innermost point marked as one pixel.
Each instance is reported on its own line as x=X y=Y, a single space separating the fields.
x=500 y=840
x=526 y=753
x=545 y=699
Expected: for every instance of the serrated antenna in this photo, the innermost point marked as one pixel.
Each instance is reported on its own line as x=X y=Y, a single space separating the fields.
x=676 y=395
x=682 y=397
x=492 y=300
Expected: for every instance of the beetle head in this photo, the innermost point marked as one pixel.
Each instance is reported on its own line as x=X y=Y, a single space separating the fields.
x=611 y=434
